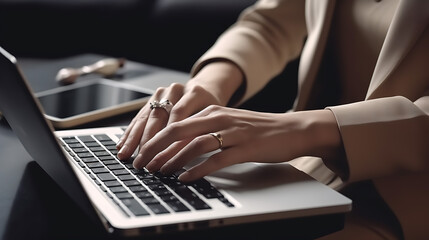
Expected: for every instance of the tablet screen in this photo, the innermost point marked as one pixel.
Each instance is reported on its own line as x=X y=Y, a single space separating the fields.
x=87 y=98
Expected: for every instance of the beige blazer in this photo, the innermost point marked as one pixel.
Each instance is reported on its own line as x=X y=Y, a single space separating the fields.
x=386 y=135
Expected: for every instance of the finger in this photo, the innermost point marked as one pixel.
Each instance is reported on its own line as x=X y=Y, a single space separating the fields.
x=193 y=101
x=161 y=158
x=133 y=134
x=156 y=121
x=197 y=147
x=215 y=162
x=130 y=126
x=159 y=116
x=188 y=128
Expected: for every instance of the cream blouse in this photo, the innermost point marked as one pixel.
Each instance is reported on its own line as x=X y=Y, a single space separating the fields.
x=361 y=38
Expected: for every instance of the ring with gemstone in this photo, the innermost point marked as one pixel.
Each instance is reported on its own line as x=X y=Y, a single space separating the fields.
x=164 y=103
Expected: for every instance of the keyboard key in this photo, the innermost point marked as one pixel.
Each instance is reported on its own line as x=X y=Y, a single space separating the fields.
x=149 y=200
x=96 y=149
x=118 y=189
x=101 y=154
x=132 y=183
x=95 y=165
x=79 y=150
x=142 y=176
x=105 y=158
x=212 y=194
x=123 y=195
x=129 y=165
x=112 y=183
x=109 y=161
x=92 y=144
x=162 y=192
x=89 y=159
x=169 y=198
x=135 y=207
x=85 y=155
x=127 y=177
x=143 y=194
x=158 y=209
x=120 y=172
x=178 y=206
x=86 y=139
x=168 y=179
x=108 y=143
x=115 y=167
x=151 y=181
x=111 y=147
x=100 y=170
x=138 y=189
x=102 y=137
x=185 y=193
x=106 y=177
x=70 y=140
x=226 y=202
x=75 y=145
x=198 y=204
x=156 y=187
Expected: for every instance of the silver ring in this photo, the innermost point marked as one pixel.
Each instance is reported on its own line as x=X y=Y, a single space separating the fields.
x=218 y=138
x=164 y=103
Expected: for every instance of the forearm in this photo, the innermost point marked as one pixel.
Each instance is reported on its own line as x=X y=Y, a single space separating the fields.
x=265 y=38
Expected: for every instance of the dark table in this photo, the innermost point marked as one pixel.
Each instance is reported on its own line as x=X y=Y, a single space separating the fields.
x=32 y=206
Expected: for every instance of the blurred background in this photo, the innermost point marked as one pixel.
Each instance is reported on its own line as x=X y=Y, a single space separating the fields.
x=166 y=33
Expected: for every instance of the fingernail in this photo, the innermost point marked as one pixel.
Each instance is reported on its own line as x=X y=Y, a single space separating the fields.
x=119 y=144
x=164 y=169
x=137 y=161
x=151 y=166
x=122 y=152
x=184 y=176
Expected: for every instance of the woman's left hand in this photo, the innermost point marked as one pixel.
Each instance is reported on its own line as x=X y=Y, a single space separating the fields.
x=243 y=136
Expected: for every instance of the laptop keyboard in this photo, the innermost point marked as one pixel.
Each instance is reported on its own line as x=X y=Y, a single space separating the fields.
x=136 y=191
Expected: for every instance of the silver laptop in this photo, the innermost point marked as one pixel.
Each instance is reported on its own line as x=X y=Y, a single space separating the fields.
x=134 y=202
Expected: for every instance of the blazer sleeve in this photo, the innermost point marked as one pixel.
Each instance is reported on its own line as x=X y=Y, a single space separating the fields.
x=384 y=136
x=265 y=38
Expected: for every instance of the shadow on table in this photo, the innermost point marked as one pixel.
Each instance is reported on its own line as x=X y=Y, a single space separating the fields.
x=41 y=210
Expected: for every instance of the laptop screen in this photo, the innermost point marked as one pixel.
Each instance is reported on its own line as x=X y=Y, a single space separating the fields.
x=25 y=116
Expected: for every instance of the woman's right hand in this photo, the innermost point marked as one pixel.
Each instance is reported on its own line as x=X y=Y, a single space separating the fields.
x=213 y=85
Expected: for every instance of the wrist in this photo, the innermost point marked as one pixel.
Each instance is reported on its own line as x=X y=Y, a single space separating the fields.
x=221 y=78
x=326 y=142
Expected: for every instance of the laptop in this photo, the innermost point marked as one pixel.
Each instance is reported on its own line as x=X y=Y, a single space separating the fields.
x=134 y=202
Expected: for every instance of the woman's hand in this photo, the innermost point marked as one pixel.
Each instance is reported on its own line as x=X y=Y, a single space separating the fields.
x=247 y=136
x=213 y=85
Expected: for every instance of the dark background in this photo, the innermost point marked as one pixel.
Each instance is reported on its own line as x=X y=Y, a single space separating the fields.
x=166 y=33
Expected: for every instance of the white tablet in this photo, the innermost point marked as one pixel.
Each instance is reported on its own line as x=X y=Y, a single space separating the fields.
x=88 y=101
